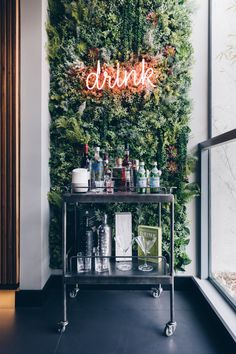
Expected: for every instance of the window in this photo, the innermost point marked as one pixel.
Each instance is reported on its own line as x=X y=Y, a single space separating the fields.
x=218 y=162
x=222 y=245
x=223 y=39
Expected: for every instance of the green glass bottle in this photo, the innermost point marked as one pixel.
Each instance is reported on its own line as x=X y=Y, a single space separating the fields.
x=155 y=179
x=141 y=179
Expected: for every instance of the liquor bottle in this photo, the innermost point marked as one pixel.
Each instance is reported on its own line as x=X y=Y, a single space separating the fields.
x=128 y=176
x=119 y=175
x=108 y=183
x=89 y=243
x=141 y=179
x=148 y=181
x=97 y=182
x=127 y=165
x=85 y=162
x=125 y=162
x=105 y=163
x=155 y=179
x=134 y=173
x=104 y=247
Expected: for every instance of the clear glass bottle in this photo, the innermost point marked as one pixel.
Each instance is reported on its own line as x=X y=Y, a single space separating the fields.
x=97 y=172
x=108 y=183
x=155 y=179
x=104 y=246
x=128 y=182
x=89 y=243
x=141 y=179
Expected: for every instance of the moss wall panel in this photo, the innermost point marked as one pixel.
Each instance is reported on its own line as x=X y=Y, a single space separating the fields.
x=155 y=120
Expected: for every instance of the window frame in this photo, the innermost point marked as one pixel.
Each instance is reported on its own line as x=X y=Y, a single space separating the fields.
x=205 y=246
x=205 y=155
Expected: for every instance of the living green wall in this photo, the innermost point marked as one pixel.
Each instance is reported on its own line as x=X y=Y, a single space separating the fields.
x=155 y=122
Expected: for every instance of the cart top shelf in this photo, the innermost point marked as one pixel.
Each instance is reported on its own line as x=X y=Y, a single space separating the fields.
x=117 y=197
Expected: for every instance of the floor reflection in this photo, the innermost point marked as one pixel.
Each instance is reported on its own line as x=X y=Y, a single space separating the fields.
x=7 y=319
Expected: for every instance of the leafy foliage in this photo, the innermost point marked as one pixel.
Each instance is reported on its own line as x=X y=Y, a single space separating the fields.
x=155 y=123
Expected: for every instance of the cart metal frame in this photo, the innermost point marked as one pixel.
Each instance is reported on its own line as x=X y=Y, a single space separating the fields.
x=130 y=278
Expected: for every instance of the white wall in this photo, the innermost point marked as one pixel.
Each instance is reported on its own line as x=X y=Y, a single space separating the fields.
x=198 y=122
x=34 y=250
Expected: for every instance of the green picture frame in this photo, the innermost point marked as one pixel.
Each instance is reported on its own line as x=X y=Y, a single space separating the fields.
x=156 y=250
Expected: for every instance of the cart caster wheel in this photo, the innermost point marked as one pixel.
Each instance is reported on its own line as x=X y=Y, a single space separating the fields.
x=170 y=329
x=73 y=293
x=62 y=326
x=61 y=329
x=156 y=293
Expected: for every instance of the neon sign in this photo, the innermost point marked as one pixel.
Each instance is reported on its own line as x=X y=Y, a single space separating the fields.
x=121 y=77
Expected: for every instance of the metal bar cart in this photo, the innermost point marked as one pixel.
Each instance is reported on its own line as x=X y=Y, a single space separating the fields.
x=163 y=274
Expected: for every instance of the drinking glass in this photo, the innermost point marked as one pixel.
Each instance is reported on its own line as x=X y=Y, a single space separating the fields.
x=109 y=186
x=145 y=243
x=99 y=186
x=101 y=263
x=124 y=245
x=88 y=262
x=80 y=262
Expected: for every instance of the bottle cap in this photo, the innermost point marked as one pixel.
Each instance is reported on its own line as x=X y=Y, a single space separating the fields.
x=142 y=163
x=97 y=149
x=106 y=157
x=154 y=163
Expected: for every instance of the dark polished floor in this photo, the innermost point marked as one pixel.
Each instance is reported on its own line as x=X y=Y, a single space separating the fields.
x=115 y=322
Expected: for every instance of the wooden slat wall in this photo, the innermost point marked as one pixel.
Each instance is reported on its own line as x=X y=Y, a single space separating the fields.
x=9 y=142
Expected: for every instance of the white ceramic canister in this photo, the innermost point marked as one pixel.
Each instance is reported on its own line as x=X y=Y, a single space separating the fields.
x=80 y=180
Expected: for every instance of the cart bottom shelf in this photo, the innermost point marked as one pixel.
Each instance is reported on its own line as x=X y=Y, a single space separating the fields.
x=115 y=276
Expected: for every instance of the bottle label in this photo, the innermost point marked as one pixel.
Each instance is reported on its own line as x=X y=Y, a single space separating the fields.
x=154 y=182
x=96 y=166
x=142 y=182
x=127 y=175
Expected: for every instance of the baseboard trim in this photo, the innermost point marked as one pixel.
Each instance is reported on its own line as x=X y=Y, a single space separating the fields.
x=9 y=286
x=33 y=298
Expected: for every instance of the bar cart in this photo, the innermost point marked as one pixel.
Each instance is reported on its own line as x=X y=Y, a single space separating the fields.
x=162 y=274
